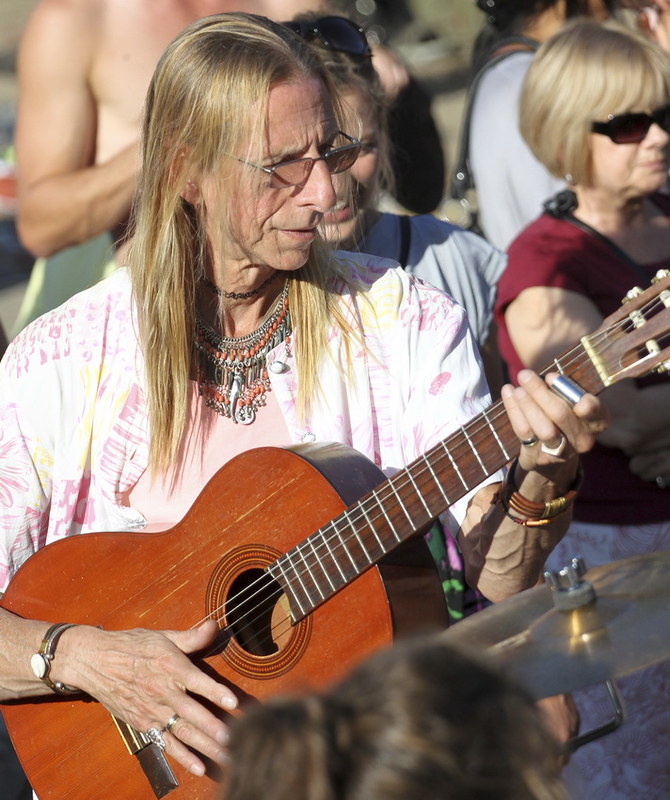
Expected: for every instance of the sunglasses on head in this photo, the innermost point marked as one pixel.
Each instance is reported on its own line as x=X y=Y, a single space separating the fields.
x=631 y=128
x=334 y=33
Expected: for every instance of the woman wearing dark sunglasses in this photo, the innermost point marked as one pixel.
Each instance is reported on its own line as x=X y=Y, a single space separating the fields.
x=510 y=183
x=595 y=110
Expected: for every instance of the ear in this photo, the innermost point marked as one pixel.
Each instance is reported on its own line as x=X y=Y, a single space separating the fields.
x=180 y=171
x=191 y=193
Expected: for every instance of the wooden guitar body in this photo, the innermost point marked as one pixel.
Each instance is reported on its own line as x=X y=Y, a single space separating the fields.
x=307 y=557
x=256 y=508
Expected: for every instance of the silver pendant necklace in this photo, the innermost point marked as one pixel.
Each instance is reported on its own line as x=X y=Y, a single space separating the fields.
x=232 y=372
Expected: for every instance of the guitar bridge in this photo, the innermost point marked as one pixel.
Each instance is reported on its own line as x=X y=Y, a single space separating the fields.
x=150 y=757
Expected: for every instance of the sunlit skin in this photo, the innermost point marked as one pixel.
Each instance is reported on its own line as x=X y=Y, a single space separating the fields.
x=354 y=213
x=276 y=227
x=279 y=225
x=621 y=173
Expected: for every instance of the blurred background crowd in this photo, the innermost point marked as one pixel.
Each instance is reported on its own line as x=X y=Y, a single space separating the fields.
x=434 y=39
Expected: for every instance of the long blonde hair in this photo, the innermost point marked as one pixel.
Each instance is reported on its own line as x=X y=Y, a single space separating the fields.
x=208 y=97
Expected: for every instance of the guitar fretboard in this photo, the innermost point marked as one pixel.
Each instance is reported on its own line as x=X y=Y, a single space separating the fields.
x=358 y=538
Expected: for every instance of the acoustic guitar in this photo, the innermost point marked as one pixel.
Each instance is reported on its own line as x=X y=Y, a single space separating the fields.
x=308 y=564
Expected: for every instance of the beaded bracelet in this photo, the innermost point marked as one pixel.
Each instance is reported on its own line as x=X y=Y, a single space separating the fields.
x=535 y=514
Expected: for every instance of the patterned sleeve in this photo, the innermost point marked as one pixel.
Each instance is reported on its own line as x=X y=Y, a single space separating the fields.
x=25 y=462
x=446 y=380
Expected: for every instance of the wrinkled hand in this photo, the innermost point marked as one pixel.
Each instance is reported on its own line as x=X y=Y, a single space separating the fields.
x=538 y=413
x=144 y=677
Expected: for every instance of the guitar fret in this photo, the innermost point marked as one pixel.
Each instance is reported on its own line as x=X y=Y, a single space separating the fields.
x=436 y=481
x=402 y=505
x=323 y=569
x=494 y=431
x=455 y=466
x=297 y=574
x=475 y=451
x=371 y=526
x=343 y=546
x=306 y=572
x=286 y=583
x=419 y=494
x=333 y=558
x=369 y=559
x=386 y=516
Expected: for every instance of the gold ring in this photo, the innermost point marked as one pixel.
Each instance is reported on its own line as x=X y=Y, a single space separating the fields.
x=172 y=722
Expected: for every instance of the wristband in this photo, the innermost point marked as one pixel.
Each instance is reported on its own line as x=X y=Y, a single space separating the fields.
x=40 y=661
x=529 y=513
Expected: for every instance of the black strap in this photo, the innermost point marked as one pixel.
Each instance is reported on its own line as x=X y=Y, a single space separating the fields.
x=562 y=205
x=461 y=179
x=405 y=236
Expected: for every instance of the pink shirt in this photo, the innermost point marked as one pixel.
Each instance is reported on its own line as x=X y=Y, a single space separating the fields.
x=212 y=440
x=74 y=430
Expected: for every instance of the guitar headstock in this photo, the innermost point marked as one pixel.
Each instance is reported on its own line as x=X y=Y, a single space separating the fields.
x=635 y=339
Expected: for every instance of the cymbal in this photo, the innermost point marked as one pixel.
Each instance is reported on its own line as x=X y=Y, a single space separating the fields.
x=551 y=651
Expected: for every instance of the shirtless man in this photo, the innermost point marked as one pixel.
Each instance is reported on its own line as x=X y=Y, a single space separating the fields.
x=83 y=68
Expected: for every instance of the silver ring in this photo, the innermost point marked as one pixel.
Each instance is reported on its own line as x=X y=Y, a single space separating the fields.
x=570 y=391
x=554 y=451
x=171 y=723
x=660 y=482
x=156 y=737
x=529 y=442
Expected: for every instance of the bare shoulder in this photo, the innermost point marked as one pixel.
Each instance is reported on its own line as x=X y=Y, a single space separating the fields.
x=59 y=27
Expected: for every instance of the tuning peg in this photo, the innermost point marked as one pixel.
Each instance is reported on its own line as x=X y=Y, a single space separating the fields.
x=568 y=589
x=662 y=273
x=631 y=294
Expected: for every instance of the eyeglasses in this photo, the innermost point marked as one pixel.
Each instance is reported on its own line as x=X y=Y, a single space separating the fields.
x=634 y=126
x=335 y=33
x=297 y=171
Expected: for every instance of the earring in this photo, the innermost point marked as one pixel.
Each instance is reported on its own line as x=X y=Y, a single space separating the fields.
x=568 y=178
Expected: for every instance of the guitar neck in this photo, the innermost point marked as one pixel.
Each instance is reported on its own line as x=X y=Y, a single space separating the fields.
x=365 y=532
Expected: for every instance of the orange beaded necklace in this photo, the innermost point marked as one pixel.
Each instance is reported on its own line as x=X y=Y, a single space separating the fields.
x=232 y=372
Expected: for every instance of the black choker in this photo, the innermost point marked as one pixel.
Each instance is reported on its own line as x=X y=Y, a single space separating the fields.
x=232 y=372
x=239 y=295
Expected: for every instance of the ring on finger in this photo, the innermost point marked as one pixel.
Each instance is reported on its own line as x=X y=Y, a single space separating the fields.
x=529 y=442
x=156 y=737
x=554 y=451
x=172 y=722
x=660 y=482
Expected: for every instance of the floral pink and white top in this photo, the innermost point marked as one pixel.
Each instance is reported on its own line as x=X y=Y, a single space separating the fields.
x=73 y=416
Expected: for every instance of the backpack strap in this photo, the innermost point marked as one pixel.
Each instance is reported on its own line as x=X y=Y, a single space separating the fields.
x=405 y=237
x=462 y=180
x=562 y=206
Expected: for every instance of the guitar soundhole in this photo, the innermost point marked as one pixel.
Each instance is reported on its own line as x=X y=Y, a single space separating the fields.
x=259 y=639
x=252 y=615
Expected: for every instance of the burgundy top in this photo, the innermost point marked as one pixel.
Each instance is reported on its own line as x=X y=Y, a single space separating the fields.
x=555 y=253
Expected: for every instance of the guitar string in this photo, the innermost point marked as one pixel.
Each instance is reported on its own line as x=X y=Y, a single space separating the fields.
x=314 y=558
x=340 y=543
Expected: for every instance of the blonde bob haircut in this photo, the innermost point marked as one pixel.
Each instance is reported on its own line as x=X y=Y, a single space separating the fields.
x=585 y=72
x=208 y=97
